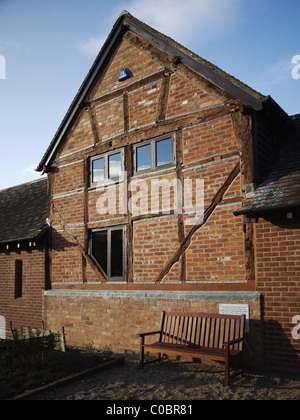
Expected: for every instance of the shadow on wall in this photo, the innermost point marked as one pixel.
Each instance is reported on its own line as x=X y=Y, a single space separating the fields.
x=279 y=352
x=280 y=219
x=60 y=243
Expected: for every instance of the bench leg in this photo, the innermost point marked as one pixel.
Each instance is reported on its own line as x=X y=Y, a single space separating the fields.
x=227 y=367
x=240 y=373
x=142 y=353
x=241 y=363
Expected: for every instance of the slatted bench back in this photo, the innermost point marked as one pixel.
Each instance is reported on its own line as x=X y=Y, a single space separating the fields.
x=202 y=330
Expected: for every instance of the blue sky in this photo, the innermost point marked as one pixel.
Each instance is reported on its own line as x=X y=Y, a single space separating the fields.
x=49 y=46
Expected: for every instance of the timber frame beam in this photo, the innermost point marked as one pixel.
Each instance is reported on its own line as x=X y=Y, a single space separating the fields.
x=202 y=221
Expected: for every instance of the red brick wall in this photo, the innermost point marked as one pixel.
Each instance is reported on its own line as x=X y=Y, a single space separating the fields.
x=127 y=54
x=203 y=141
x=27 y=310
x=278 y=256
x=206 y=151
x=154 y=242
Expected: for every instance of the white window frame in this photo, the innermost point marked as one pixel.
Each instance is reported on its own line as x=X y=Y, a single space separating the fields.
x=105 y=156
x=154 y=166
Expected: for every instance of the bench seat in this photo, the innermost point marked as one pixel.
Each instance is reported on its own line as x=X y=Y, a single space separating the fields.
x=188 y=350
x=202 y=336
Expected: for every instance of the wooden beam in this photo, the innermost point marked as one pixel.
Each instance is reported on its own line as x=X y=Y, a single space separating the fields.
x=50 y=186
x=153 y=78
x=206 y=69
x=164 y=98
x=242 y=125
x=85 y=215
x=208 y=212
x=173 y=65
x=250 y=251
x=159 y=129
x=128 y=159
x=149 y=49
x=180 y=200
x=200 y=82
x=126 y=112
x=80 y=248
x=94 y=124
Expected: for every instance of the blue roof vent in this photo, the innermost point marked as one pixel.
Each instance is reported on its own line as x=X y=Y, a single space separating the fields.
x=124 y=75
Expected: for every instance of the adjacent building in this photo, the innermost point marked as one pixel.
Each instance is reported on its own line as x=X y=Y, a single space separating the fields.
x=24 y=246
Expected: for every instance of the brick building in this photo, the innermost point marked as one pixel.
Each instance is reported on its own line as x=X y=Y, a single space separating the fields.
x=23 y=255
x=274 y=208
x=155 y=136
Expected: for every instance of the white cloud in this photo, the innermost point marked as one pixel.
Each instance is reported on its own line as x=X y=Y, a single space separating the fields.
x=92 y=47
x=183 y=20
x=277 y=73
x=31 y=169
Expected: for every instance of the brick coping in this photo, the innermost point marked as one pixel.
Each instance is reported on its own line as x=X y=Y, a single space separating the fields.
x=237 y=296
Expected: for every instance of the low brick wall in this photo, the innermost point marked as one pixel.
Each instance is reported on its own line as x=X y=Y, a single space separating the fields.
x=113 y=318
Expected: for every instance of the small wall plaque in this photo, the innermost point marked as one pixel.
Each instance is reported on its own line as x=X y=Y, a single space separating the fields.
x=234 y=309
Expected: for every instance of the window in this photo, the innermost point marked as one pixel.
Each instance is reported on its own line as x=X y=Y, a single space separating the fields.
x=107 y=167
x=108 y=250
x=18 y=279
x=154 y=154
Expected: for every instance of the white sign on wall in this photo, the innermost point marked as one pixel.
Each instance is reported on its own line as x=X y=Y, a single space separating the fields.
x=235 y=309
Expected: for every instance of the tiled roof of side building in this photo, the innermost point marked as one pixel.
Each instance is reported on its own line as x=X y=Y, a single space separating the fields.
x=23 y=211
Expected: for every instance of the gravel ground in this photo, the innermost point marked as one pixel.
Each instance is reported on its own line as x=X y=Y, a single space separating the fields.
x=172 y=380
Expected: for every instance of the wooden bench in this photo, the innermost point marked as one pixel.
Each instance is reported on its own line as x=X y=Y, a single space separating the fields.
x=201 y=336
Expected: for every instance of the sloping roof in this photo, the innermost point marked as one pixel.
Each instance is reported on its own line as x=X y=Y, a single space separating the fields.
x=280 y=188
x=206 y=69
x=23 y=211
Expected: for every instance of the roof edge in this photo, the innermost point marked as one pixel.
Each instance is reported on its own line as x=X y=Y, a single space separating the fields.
x=36 y=237
x=128 y=22
x=266 y=209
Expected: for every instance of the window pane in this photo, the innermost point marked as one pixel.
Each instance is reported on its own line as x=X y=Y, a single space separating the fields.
x=117 y=253
x=164 y=152
x=98 y=170
x=99 y=251
x=143 y=158
x=114 y=165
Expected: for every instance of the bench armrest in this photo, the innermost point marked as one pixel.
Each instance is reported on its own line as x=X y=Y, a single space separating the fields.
x=148 y=333
x=231 y=342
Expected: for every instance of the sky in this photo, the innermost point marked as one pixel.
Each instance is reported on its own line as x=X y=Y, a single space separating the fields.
x=47 y=48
